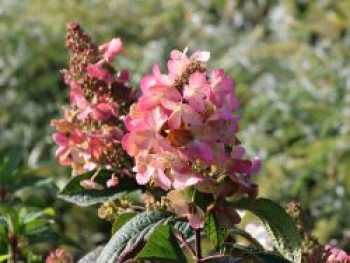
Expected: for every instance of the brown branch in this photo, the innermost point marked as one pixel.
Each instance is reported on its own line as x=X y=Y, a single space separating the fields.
x=185 y=244
x=198 y=244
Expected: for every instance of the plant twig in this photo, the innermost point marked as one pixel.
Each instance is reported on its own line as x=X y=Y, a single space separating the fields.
x=198 y=244
x=185 y=244
x=220 y=257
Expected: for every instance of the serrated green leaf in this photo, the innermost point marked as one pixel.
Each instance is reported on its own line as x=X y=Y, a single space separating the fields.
x=278 y=224
x=262 y=256
x=121 y=220
x=184 y=228
x=162 y=245
x=132 y=229
x=75 y=193
x=92 y=256
x=215 y=232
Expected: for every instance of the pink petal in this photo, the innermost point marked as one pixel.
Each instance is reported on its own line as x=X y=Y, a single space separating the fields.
x=174 y=120
x=104 y=111
x=112 y=182
x=196 y=219
x=185 y=178
x=147 y=82
x=143 y=139
x=60 y=139
x=199 y=149
x=202 y=56
x=162 y=180
x=242 y=166
x=197 y=80
x=124 y=75
x=256 y=165
x=96 y=71
x=114 y=48
x=238 y=152
x=128 y=145
x=157 y=118
x=145 y=177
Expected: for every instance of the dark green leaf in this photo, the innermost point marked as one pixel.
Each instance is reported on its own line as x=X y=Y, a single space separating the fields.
x=215 y=232
x=9 y=164
x=75 y=193
x=262 y=256
x=279 y=225
x=162 y=245
x=132 y=229
x=121 y=220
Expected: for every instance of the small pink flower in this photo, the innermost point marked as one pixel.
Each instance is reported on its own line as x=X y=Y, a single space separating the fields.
x=67 y=144
x=97 y=71
x=90 y=184
x=112 y=182
x=336 y=255
x=111 y=49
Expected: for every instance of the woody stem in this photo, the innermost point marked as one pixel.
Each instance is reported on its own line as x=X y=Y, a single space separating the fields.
x=198 y=244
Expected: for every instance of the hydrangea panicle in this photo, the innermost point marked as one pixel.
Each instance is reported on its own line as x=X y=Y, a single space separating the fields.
x=90 y=133
x=188 y=119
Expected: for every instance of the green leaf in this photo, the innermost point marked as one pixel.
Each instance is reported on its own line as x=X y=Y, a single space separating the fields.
x=4 y=257
x=134 y=230
x=92 y=256
x=262 y=256
x=215 y=232
x=184 y=228
x=279 y=225
x=162 y=245
x=9 y=164
x=75 y=193
x=121 y=220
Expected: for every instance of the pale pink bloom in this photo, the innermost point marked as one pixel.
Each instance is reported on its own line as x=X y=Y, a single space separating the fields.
x=184 y=114
x=336 y=255
x=100 y=111
x=185 y=177
x=164 y=96
x=104 y=111
x=179 y=61
x=113 y=181
x=194 y=92
x=182 y=207
x=111 y=49
x=156 y=175
x=99 y=72
x=67 y=144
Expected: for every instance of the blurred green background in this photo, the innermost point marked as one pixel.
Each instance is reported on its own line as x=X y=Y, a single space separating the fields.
x=290 y=60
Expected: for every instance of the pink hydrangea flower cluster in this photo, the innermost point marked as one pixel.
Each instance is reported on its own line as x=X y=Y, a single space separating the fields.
x=90 y=133
x=182 y=133
x=336 y=255
x=182 y=130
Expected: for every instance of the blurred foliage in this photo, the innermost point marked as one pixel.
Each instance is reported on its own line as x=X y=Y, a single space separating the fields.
x=290 y=60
